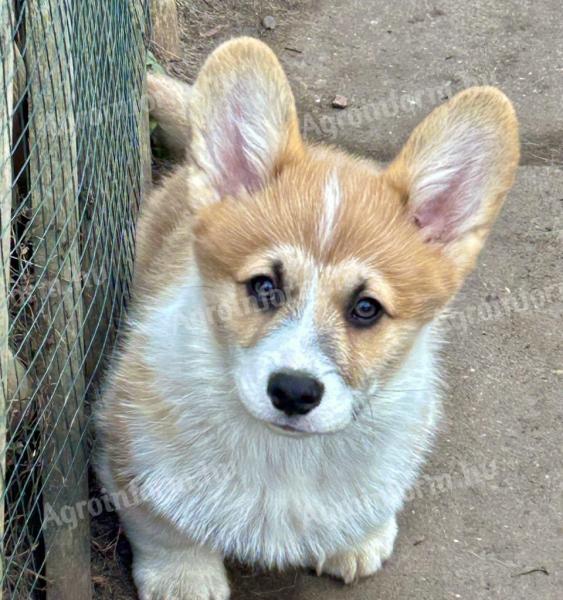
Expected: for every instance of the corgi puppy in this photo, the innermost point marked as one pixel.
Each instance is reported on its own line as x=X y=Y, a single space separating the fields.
x=278 y=384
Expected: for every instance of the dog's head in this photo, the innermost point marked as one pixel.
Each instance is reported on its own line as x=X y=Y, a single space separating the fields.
x=325 y=267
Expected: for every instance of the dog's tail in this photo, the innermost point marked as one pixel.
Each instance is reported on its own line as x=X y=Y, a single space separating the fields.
x=168 y=106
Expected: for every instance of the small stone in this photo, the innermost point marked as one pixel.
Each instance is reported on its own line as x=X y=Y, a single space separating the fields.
x=269 y=22
x=340 y=101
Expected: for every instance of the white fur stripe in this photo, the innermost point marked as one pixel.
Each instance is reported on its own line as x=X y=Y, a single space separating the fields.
x=332 y=200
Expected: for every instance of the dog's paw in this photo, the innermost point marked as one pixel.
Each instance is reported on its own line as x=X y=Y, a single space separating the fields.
x=365 y=560
x=182 y=577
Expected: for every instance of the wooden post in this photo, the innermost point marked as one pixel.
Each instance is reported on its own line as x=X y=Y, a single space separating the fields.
x=55 y=239
x=164 y=24
x=6 y=104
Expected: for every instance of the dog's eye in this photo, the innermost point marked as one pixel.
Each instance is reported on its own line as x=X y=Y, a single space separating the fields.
x=365 y=312
x=265 y=291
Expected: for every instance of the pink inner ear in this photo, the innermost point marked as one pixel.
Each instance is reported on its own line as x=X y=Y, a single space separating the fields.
x=236 y=166
x=449 y=205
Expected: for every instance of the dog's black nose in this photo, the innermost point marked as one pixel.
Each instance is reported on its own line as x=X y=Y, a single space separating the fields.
x=294 y=392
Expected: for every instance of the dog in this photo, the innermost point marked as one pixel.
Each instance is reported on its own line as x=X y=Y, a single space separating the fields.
x=277 y=388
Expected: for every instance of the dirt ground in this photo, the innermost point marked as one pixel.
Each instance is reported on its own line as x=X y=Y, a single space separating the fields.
x=486 y=519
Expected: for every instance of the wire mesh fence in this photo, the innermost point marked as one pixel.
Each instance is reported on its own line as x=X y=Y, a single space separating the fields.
x=71 y=179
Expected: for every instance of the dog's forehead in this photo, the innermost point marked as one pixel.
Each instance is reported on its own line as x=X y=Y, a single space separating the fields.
x=336 y=214
x=325 y=207
x=345 y=219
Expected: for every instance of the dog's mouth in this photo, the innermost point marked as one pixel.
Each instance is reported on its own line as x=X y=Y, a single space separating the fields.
x=289 y=430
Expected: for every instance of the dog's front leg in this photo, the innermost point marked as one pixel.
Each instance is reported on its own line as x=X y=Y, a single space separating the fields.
x=168 y=566
x=364 y=560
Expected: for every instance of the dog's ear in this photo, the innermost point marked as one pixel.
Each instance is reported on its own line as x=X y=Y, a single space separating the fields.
x=455 y=170
x=244 y=122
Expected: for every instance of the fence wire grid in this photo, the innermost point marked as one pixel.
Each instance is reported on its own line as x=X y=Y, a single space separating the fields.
x=71 y=177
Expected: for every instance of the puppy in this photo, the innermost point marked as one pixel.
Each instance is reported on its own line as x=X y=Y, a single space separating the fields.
x=277 y=388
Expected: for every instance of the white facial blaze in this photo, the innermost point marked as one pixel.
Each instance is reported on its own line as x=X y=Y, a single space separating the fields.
x=307 y=320
x=332 y=201
x=294 y=345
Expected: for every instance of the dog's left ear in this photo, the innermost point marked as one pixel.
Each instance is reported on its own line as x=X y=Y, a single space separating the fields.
x=455 y=170
x=244 y=122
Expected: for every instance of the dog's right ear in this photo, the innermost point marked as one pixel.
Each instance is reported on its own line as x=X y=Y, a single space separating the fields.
x=244 y=126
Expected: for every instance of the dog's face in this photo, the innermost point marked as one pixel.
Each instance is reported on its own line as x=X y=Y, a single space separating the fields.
x=321 y=277
x=323 y=270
